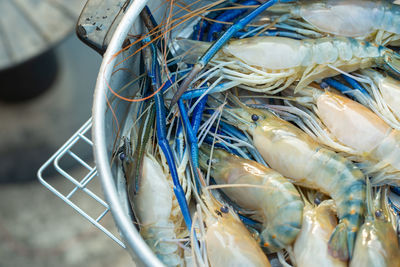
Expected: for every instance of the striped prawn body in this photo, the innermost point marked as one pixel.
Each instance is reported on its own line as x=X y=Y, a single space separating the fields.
x=273 y=199
x=297 y=156
x=280 y=61
x=366 y=19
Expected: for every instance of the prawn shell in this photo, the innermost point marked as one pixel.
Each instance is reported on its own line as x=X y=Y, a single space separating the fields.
x=230 y=244
x=274 y=53
x=281 y=53
x=155 y=191
x=351 y=123
x=376 y=246
x=311 y=246
x=154 y=182
x=356 y=18
x=388 y=150
x=359 y=128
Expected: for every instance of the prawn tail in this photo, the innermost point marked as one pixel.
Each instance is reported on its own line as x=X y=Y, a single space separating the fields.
x=351 y=240
x=338 y=243
x=191 y=50
x=392 y=62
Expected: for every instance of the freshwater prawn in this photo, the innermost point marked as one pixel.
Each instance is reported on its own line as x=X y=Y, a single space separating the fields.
x=227 y=241
x=376 y=21
x=271 y=64
x=274 y=200
x=161 y=226
x=298 y=157
x=377 y=244
x=371 y=138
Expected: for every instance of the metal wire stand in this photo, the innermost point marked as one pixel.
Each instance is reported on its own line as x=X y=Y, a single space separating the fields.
x=81 y=183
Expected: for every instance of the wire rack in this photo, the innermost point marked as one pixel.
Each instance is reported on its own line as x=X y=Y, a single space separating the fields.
x=78 y=184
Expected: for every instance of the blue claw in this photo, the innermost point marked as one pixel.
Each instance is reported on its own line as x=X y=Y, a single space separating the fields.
x=191 y=135
x=344 y=89
x=228 y=16
x=199 y=92
x=396 y=190
x=192 y=140
x=198 y=114
x=355 y=84
x=234 y=29
x=199 y=28
x=219 y=43
x=154 y=75
x=287 y=34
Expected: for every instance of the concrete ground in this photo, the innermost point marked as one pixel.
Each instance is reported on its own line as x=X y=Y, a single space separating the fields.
x=36 y=227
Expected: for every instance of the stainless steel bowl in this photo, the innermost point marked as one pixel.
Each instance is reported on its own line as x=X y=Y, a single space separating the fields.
x=104 y=125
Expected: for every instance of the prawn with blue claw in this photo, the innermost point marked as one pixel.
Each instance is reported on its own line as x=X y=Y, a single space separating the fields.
x=265 y=133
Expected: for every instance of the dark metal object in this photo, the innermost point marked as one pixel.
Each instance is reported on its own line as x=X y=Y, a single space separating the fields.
x=98 y=21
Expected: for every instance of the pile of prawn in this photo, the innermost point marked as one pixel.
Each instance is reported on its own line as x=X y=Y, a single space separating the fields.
x=280 y=147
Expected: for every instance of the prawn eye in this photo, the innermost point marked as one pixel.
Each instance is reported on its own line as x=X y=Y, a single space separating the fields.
x=122 y=156
x=211 y=161
x=254 y=117
x=317 y=201
x=224 y=209
x=378 y=213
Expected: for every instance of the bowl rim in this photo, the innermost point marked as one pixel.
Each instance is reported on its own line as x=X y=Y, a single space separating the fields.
x=133 y=241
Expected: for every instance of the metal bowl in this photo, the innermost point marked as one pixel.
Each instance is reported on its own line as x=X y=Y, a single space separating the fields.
x=104 y=125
